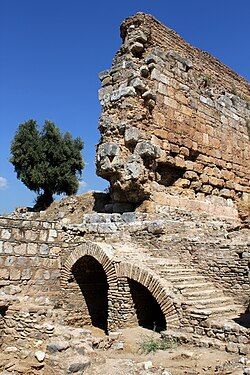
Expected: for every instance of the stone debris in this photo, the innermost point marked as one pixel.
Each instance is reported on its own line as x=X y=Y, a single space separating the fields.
x=39 y=355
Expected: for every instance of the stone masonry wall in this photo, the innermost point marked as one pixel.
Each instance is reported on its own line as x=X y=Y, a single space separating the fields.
x=29 y=279
x=29 y=255
x=31 y=292
x=175 y=121
x=38 y=289
x=218 y=249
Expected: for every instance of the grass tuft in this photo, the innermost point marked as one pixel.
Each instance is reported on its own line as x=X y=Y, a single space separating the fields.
x=150 y=344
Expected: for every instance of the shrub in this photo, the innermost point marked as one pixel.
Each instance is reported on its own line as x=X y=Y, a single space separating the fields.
x=150 y=344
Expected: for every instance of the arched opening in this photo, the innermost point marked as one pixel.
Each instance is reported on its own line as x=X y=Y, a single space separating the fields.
x=148 y=311
x=92 y=281
x=244 y=318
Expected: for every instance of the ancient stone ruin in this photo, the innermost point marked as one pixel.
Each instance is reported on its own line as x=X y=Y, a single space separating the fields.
x=175 y=123
x=169 y=251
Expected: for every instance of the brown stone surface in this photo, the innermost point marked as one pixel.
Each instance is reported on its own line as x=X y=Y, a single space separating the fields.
x=169 y=109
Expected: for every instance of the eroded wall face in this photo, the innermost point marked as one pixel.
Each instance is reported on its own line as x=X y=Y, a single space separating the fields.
x=174 y=120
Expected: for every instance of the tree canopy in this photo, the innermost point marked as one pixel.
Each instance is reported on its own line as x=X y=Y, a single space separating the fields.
x=47 y=161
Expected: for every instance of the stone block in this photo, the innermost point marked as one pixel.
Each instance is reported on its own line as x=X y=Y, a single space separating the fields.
x=44 y=249
x=169 y=102
x=15 y=274
x=4 y=273
x=8 y=248
x=5 y=234
x=32 y=248
x=131 y=135
x=122 y=92
x=20 y=249
x=232 y=347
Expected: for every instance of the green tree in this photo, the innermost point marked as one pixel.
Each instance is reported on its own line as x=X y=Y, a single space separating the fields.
x=47 y=161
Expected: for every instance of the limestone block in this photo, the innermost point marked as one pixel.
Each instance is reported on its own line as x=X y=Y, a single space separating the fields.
x=216 y=181
x=122 y=92
x=6 y=234
x=226 y=193
x=133 y=167
x=147 y=149
x=9 y=261
x=162 y=88
x=148 y=95
x=138 y=84
x=26 y=274
x=131 y=135
x=43 y=235
x=40 y=355
x=4 y=273
x=44 y=249
x=185 y=62
x=57 y=346
x=169 y=102
x=191 y=175
x=232 y=347
x=15 y=274
x=8 y=248
x=32 y=248
x=138 y=35
x=103 y=74
x=207 y=101
x=20 y=249
x=31 y=235
x=182 y=183
x=110 y=149
x=104 y=94
x=52 y=234
x=158 y=76
x=80 y=363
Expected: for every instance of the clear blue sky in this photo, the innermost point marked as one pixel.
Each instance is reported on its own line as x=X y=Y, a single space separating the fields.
x=52 y=50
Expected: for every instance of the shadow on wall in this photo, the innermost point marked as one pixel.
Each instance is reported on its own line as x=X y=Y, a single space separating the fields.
x=104 y=204
x=92 y=280
x=244 y=319
x=148 y=311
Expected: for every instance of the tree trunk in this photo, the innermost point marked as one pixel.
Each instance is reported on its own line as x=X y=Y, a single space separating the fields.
x=44 y=201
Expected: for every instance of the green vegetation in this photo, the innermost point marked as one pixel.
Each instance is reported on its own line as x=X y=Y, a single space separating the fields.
x=150 y=344
x=47 y=161
x=206 y=81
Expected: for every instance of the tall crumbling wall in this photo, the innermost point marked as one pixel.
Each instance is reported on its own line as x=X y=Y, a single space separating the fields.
x=175 y=122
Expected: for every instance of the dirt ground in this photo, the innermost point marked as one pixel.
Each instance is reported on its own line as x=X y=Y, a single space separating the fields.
x=125 y=358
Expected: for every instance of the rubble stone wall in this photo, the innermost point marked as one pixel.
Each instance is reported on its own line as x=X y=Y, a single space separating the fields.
x=175 y=121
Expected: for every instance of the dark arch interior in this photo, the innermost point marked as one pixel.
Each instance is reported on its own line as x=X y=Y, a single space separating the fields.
x=244 y=319
x=148 y=311
x=92 y=280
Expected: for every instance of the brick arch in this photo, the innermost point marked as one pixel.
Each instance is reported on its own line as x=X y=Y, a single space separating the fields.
x=155 y=286
x=95 y=251
x=87 y=248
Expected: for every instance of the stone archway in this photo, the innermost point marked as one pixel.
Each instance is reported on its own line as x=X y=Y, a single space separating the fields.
x=123 y=282
x=156 y=293
x=92 y=281
x=148 y=311
x=88 y=282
